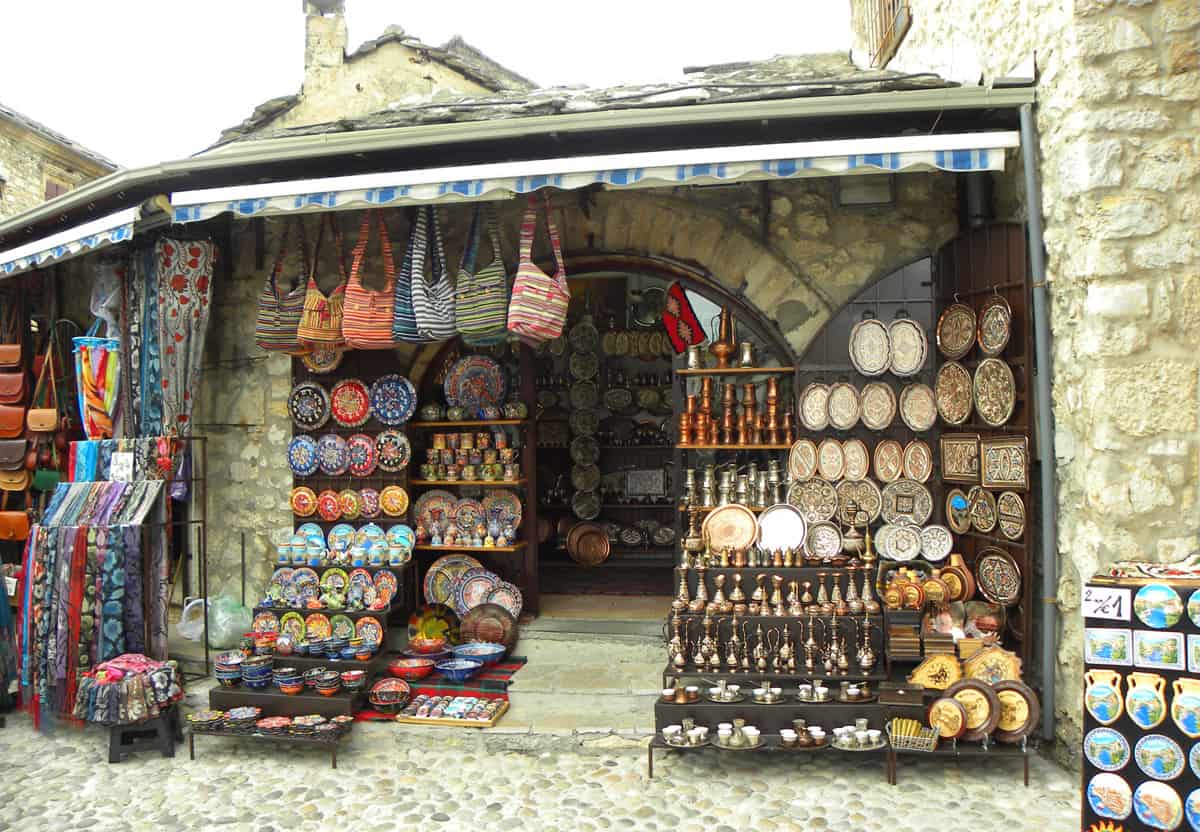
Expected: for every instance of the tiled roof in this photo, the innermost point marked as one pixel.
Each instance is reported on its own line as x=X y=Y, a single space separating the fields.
x=10 y=115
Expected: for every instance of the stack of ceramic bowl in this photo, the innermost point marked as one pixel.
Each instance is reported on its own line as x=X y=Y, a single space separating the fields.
x=458 y=670
x=328 y=683
x=310 y=676
x=333 y=648
x=273 y=726
x=207 y=720
x=303 y=726
x=342 y=723
x=256 y=672
x=228 y=668
x=364 y=650
x=354 y=679
x=300 y=648
x=480 y=651
x=288 y=680
x=241 y=720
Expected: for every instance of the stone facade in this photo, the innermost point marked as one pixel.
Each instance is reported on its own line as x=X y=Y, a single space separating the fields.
x=31 y=155
x=1120 y=163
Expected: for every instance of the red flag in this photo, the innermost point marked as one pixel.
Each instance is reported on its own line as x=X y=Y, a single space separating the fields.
x=683 y=328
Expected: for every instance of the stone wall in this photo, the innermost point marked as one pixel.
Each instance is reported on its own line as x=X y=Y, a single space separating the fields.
x=26 y=160
x=1117 y=117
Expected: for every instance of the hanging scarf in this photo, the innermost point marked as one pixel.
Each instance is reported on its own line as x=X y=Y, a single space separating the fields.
x=184 y=300
x=135 y=622
x=111 y=542
x=76 y=619
x=97 y=374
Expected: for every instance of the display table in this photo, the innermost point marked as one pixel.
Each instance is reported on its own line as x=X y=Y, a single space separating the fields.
x=770 y=743
x=274 y=703
x=329 y=741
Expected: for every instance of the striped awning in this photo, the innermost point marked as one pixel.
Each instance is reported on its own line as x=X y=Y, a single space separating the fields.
x=114 y=228
x=959 y=153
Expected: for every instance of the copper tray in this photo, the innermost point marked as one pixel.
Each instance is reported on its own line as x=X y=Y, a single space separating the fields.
x=952 y=391
x=998 y=576
x=995 y=392
x=1010 y=511
x=982 y=706
x=1004 y=462
x=802 y=460
x=960 y=457
x=816 y=499
x=864 y=493
x=489 y=622
x=995 y=325
x=983 y=509
x=877 y=402
x=857 y=459
x=889 y=461
x=906 y=500
x=587 y=544
x=956 y=331
x=730 y=526
x=918 y=408
x=814 y=407
x=831 y=462
x=870 y=347
x=918 y=461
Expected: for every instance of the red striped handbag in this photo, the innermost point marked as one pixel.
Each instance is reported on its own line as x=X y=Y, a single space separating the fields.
x=538 y=309
x=278 y=316
x=367 y=313
x=321 y=321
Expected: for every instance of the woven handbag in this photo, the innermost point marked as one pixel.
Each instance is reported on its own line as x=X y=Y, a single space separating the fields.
x=538 y=309
x=278 y=317
x=367 y=315
x=404 y=319
x=481 y=298
x=433 y=301
x=321 y=321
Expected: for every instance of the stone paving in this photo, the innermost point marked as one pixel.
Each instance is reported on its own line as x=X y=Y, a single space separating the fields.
x=390 y=778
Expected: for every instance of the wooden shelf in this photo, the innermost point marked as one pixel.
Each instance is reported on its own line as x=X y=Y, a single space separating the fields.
x=471 y=483
x=637 y=506
x=707 y=509
x=779 y=447
x=467 y=550
x=468 y=423
x=738 y=371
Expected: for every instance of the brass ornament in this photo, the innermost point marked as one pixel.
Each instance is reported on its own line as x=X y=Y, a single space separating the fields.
x=889 y=461
x=995 y=392
x=995 y=325
x=1010 y=510
x=918 y=461
x=906 y=501
x=814 y=407
x=1004 y=462
x=960 y=457
x=870 y=347
x=982 y=509
x=918 y=409
x=878 y=405
x=816 y=499
x=956 y=331
x=952 y=390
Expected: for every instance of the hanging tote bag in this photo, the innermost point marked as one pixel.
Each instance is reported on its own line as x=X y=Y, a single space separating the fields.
x=367 y=317
x=42 y=416
x=278 y=318
x=481 y=298
x=404 y=319
x=321 y=321
x=98 y=376
x=538 y=309
x=433 y=301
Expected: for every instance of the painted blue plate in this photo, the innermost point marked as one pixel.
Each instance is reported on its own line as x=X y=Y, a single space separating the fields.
x=333 y=455
x=341 y=533
x=1191 y=808
x=1159 y=756
x=1158 y=606
x=312 y=533
x=1106 y=749
x=402 y=536
x=393 y=399
x=302 y=456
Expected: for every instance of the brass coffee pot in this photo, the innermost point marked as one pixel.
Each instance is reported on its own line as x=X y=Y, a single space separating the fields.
x=726 y=344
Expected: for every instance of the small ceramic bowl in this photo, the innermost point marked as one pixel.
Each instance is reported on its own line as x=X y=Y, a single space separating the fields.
x=458 y=670
x=291 y=689
x=480 y=651
x=410 y=669
x=426 y=645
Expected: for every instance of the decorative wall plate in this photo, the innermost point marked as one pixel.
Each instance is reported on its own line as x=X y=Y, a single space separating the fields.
x=1157 y=804
x=917 y=407
x=993 y=664
x=906 y=501
x=918 y=461
x=1145 y=699
x=392 y=451
x=823 y=540
x=1158 y=606
x=908 y=347
x=393 y=399
x=937 y=672
x=265 y=622
x=583 y=365
x=948 y=717
x=816 y=499
x=508 y=596
x=831 y=462
x=952 y=391
x=982 y=704
x=814 y=407
x=308 y=405
x=302 y=456
x=958 y=511
x=362 y=454
x=502 y=503
x=350 y=503
x=857 y=458
x=317 y=626
x=1102 y=695
x=870 y=347
x=350 y=403
x=863 y=493
x=584 y=422
x=473 y=589
x=321 y=360
x=982 y=509
x=1106 y=749
x=586 y=505
x=491 y=623
x=1019 y=710
x=393 y=500
x=1004 y=462
x=585 y=477
x=475 y=381
x=303 y=501
x=585 y=395
x=844 y=406
x=585 y=337
x=802 y=460
x=936 y=543
x=781 y=526
x=995 y=325
x=1109 y=796
x=402 y=536
x=615 y=398
x=995 y=392
x=889 y=461
x=431 y=505
x=1185 y=706
x=291 y=624
x=998 y=576
x=1010 y=509
x=956 y=331
x=1193 y=607
x=443 y=576
x=901 y=542
x=730 y=526
x=333 y=455
x=878 y=404
x=370 y=502
x=960 y=457
x=585 y=450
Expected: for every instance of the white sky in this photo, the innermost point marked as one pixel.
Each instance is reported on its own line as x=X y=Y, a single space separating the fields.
x=145 y=81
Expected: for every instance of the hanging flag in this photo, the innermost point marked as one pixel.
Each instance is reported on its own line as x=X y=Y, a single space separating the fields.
x=683 y=328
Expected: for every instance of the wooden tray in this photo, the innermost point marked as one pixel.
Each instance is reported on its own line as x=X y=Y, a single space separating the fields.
x=455 y=723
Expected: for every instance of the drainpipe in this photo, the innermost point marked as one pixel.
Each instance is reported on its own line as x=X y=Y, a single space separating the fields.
x=1045 y=423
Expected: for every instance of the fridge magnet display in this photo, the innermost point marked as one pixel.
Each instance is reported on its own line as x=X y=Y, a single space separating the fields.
x=1193 y=661
x=1145 y=699
x=1158 y=606
x=1158 y=756
x=1102 y=645
x=1110 y=796
x=1158 y=805
x=1193 y=607
x=1106 y=749
x=1185 y=706
x=1158 y=651
x=1102 y=695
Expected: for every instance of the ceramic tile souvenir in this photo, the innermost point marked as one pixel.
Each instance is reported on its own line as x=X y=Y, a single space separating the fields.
x=1158 y=805
x=995 y=392
x=1102 y=645
x=878 y=403
x=1159 y=756
x=1106 y=749
x=1158 y=606
x=1004 y=462
x=956 y=331
x=1110 y=796
x=814 y=407
x=1102 y=695
x=960 y=457
x=1145 y=699
x=908 y=347
x=870 y=347
x=1160 y=651
x=1185 y=706
x=889 y=461
x=952 y=391
x=918 y=409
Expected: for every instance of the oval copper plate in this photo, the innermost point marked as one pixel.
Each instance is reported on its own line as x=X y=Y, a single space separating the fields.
x=889 y=461
x=998 y=577
x=982 y=509
x=802 y=460
x=1010 y=512
x=952 y=391
x=857 y=459
x=831 y=462
x=816 y=499
x=958 y=511
x=906 y=501
x=982 y=706
x=908 y=347
x=917 y=407
x=824 y=540
x=844 y=406
x=956 y=331
x=730 y=526
x=814 y=407
x=870 y=348
x=877 y=403
x=918 y=461
x=995 y=325
x=995 y=391
x=864 y=493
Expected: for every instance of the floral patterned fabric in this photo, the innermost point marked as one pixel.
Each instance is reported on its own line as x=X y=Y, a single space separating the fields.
x=184 y=301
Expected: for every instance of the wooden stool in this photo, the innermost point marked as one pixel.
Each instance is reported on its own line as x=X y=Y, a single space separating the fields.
x=162 y=732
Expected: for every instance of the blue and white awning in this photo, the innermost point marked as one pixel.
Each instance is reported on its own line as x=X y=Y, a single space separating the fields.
x=114 y=228
x=666 y=168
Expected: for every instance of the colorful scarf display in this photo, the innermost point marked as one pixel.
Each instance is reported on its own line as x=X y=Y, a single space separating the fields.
x=128 y=689
x=98 y=376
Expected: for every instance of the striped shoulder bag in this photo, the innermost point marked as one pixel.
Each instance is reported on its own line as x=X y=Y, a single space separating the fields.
x=278 y=316
x=321 y=322
x=538 y=309
x=404 y=321
x=367 y=317
x=433 y=301
x=481 y=298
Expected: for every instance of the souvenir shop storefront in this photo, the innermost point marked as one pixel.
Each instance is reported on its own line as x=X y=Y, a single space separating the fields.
x=430 y=397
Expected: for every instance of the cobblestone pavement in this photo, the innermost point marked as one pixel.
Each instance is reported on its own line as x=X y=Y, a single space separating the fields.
x=388 y=778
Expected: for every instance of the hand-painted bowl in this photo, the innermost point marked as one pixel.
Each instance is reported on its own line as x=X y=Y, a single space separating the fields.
x=480 y=651
x=426 y=645
x=291 y=689
x=458 y=670
x=410 y=669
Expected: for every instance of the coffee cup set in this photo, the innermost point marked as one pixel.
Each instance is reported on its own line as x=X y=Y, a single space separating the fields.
x=858 y=737
x=767 y=695
x=725 y=693
x=737 y=736
x=687 y=735
x=813 y=693
x=682 y=695
x=803 y=737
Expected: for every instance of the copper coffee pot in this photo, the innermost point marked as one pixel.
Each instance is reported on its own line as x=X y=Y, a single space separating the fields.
x=726 y=344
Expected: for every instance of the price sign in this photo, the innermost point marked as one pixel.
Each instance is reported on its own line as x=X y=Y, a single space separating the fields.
x=1108 y=602
x=121 y=467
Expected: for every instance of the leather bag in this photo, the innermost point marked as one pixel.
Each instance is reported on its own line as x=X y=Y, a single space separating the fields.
x=14 y=387
x=14 y=480
x=12 y=454
x=11 y=341
x=45 y=419
x=367 y=316
x=12 y=421
x=14 y=525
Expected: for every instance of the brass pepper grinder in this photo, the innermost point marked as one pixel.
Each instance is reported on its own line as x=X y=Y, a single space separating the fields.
x=777 y=559
x=749 y=415
x=789 y=559
x=700 y=602
x=681 y=601
x=794 y=607
x=822 y=596
x=726 y=559
x=853 y=602
x=706 y=397
x=789 y=433
x=737 y=596
x=739 y=559
x=840 y=607
x=728 y=415
x=726 y=343
x=772 y=403
x=777 y=608
x=870 y=605
x=733 y=648
x=759 y=596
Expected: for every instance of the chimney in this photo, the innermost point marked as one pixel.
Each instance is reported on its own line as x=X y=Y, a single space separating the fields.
x=325 y=35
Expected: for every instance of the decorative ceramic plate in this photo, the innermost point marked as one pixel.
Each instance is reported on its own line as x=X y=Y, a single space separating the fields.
x=998 y=576
x=816 y=499
x=995 y=325
x=335 y=580
x=995 y=392
x=265 y=622
x=863 y=493
x=362 y=454
x=305 y=583
x=350 y=403
x=1010 y=510
x=437 y=500
x=280 y=585
x=857 y=459
x=393 y=399
x=918 y=461
x=303 y=501
x=341 y=537
x=509 y=597
x=370 y=502
x=982 y=509
x=802 y=460
x=333 y=455
x=823 y=540
x=369 y=630
x=586 y=505
x=956 y=331
x=889 y=461
x=475 y=381
x=1159 y=756
x=814 y=407
x=982 y=704
x=917 y=407
x=1191 y=808
x=1106 y=749
x=467 y=515
x=730 y=526
x=292 y=624
x=615 y=398
x=317 y=626
x=1019 y=710
x=585 y=395
x=361 y=578
x=585 y=450
x=312 y=534
x=308 y=405
x=370 y=536
x=870 y=347
x=1158 y=606
x=323 y=360
x=392 y=451
x=902 y=542
x=960 y=457
x=1109 y=796
x=350 y=503
x=503 y=503
x=386 y=585
x=341 y=626
x=302 y=456
x=878 y=404
x=434 y=621
x=909 y=347
x=831 y=462
x=844 y=406
x=1004 y=462
x=329 y=505
x=936 y=543
x=490 y=623
x=906 y=501
x=443 y=576
x=1157 y=805
x=473 y=589
x=402 y=536
x=781 y=527
x=584 y=337
x=952 y=391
